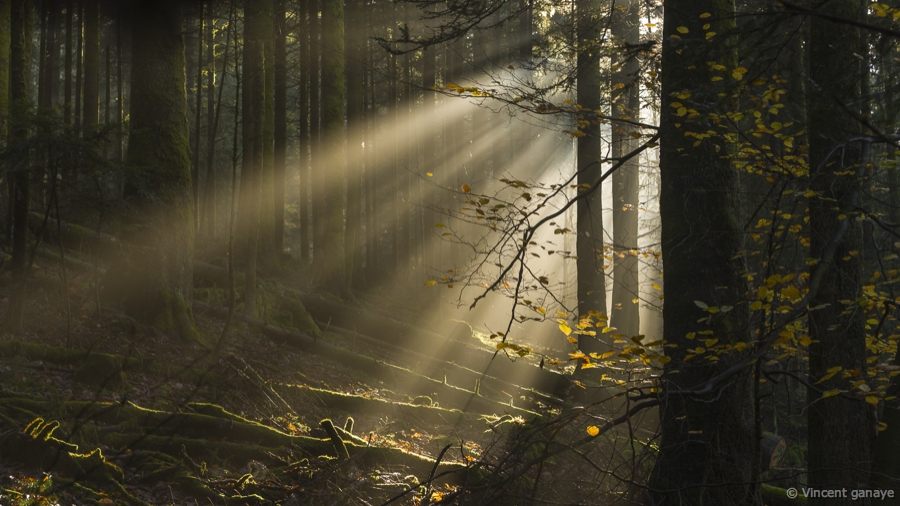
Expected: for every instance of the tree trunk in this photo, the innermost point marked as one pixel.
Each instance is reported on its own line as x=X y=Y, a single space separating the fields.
x=67 y=73
x=355 y=65
x=198 y=114
x=280 y=104
x=305 y=128
x=589 y=243
x=91 y=114
x=155 y=280
x=209 y=191
x=252 y=131
x=267 y=192
x=707 y=438
x=839 y=436
x=625 y=312
x=316 y=166
x=20 y=34
x=79 y=66
x=333 y=274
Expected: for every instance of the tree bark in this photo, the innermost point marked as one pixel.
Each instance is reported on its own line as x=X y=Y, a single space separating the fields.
x=355 y=65
x=20 y=34
x=839 y=436
x=267 y=193
x=280 y=104
x=333 y=263
x=305 y=128
x=625 y=312
x=155 y=279
x=589 y=226
x=252 y=133
x=198 y=114
x=91 y=87
x=707 y=438
x=209 y=192
x=67 y=73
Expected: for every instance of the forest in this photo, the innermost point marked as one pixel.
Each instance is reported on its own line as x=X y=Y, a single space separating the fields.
x=426 y=252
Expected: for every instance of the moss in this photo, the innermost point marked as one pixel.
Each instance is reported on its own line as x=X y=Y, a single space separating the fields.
x=101 y=370
x=292 y=311
x=36 y=446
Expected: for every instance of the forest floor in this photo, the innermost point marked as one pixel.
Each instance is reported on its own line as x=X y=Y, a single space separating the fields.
x=159 y=421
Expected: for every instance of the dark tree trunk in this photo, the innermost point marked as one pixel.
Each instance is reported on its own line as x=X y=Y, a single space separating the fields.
x=267 y=192
x=253 y=114
x=839 y=435
x=625 y=312
x=280 y=123
x=333 y=274
x=305 y=127
x=20 y=34
x=355 y=65
x=589 y=242
x=79 y=67
x=316 y=140
x=67 y=73
x=155 y=280
x=198 y=110
x=707 y=438
x=91 y=114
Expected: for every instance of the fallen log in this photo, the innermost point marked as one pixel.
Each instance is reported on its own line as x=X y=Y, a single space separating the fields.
x=419 y=340
x=76 y=237
x=414 y=384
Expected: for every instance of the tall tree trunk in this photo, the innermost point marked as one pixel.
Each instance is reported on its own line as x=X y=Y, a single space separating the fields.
x=79 y=67
x=198 y=109
x=155 y=280
x=839 y=439
x=333 y=273
x=355 y=65
x=305 y=128
x=20 y=34
x=316 y=85
x=625 y=312
x=707 y=438
x=267 y=193
x=280 y=104
x=67 y=73
x=91 y=103
x=120 y=92
x=7 y=187
x=589 y=242
x=253 y=114
x=212 y=122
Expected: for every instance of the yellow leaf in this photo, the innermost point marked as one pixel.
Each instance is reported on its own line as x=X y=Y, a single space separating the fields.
x=429 y=174
x=656 y=287
x=565 y=328
x=430 y=282
x=572 y=340
x=787 y=334
x=710 y=342
x=466 y=188
x=762 y=292
x=700 y=304
x=756 y=306
x=593 y=431
x=541 y=310
x=872 y=400
x=705 y=15
x=682 y=29
x=805 y=340
x=830 y=393
x=790 y=292
x=681 y=111
x=710 y=35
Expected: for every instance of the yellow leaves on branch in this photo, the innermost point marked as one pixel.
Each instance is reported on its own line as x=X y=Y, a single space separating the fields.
x=593 y=431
